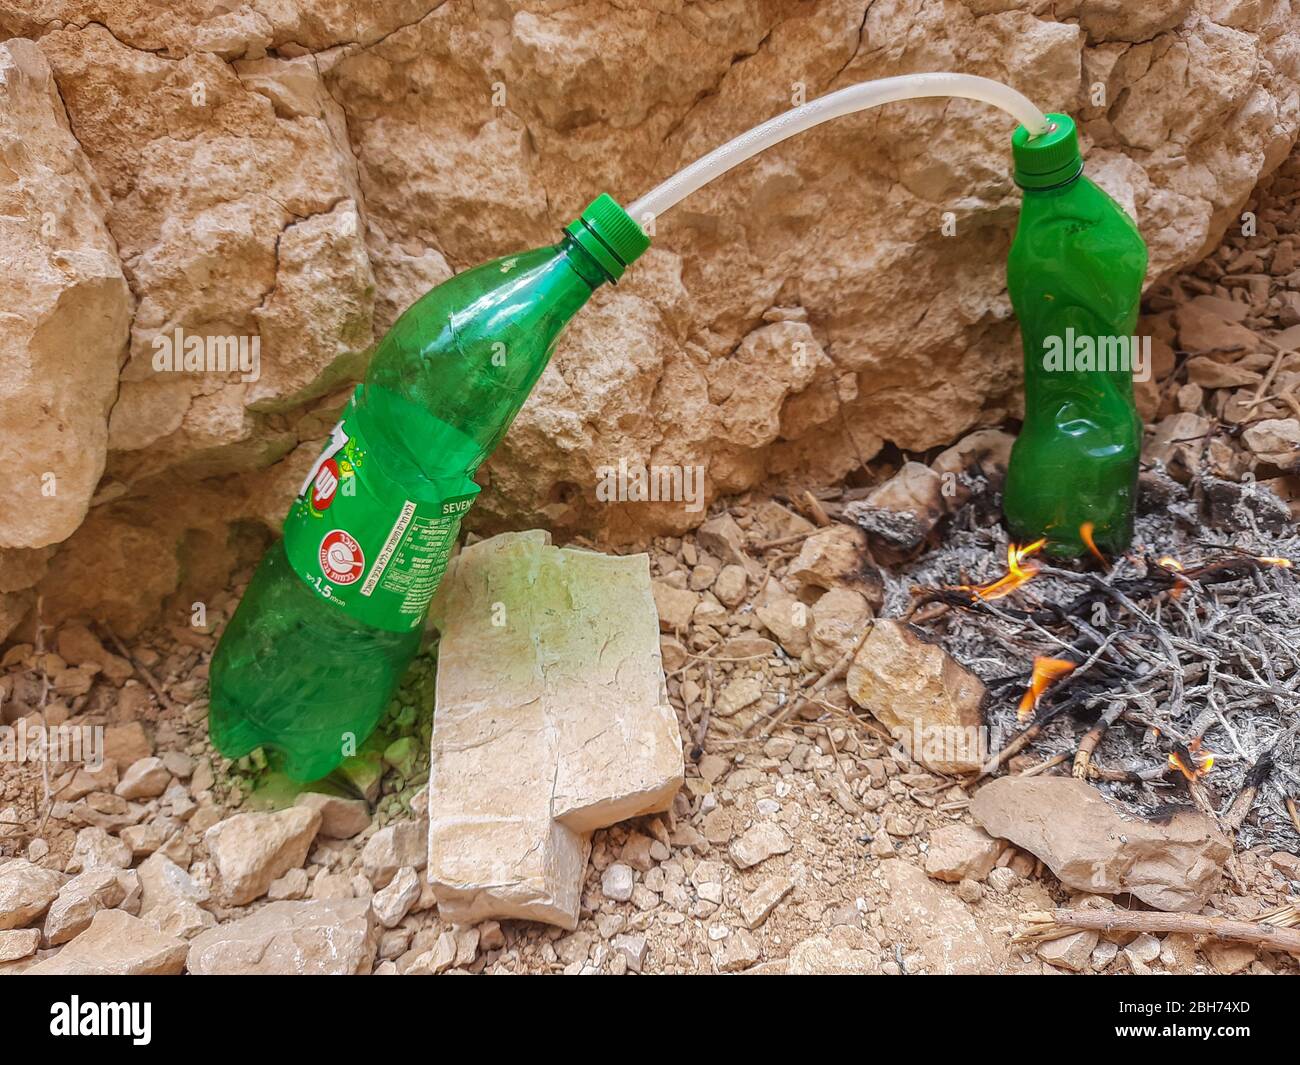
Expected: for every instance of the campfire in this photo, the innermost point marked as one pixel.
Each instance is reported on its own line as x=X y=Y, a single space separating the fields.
x=1168 y=676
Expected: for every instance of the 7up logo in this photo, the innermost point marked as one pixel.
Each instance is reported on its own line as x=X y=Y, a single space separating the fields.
x=325 y=484
x=323 y=477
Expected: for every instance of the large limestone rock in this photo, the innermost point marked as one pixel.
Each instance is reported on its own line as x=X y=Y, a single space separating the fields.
x=250 y=850
x=64 y=309
x=552 y=721
x=334 y=937
x=929 y=701
x=823 y=956
x=79 y=900
x=26 y=891
x=1173 y=864
x=171 y=900
x=295 y=173
x=116 y=944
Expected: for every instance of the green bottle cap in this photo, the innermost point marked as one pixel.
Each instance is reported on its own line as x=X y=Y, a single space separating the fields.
x=609 y=234
x=1051 y=158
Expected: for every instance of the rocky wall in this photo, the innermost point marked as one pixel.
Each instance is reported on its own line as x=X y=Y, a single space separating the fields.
x=269 y=183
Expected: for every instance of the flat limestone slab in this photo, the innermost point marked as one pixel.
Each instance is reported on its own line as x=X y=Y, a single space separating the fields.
x=552 y=721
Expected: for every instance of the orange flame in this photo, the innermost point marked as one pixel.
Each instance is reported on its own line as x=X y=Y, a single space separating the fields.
x=1019 y=571
x=1173 y=566
x=1191 y=761
x=1085 y=534
x=1046 y=670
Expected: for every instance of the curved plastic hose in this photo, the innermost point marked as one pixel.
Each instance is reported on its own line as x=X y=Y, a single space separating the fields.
x=841 y=102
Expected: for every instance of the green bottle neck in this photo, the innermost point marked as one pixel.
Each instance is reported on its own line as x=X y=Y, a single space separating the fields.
x=584 y=264
x=451 y=375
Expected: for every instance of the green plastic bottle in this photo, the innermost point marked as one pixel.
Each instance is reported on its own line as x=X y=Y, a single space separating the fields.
x=1075 y=274
x=335 y=611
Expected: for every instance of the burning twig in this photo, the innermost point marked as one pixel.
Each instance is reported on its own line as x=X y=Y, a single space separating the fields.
x=1176 y=645
x=1189 y=760
x=1176 y=568
x=1046 y=670
x=1019 y=571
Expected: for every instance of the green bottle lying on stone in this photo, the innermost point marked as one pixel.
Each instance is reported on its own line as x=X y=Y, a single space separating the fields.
x=336 y=609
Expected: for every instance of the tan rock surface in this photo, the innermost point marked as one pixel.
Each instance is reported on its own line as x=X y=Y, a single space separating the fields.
x=298 y=172
x=552 y=720
x=1092 y=846
x=26 y=891
x=918 y=691
x=116 y=944
x=337 y=937
x=79 y=900
x=838 y=954
x=64 y=309
x=903 y=510
x=250 y=850
x=935 y=922
x=959 y=852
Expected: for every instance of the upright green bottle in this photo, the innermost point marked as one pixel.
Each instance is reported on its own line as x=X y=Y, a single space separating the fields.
x=1075 y=275
x=334 y=613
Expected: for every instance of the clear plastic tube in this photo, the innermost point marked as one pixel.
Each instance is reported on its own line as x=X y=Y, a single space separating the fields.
x=841 y=102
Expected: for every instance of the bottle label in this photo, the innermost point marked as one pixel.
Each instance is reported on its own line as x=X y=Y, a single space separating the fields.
x=359 y=540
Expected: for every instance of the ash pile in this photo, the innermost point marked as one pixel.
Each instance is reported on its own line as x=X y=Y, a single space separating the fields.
x=1169 y=676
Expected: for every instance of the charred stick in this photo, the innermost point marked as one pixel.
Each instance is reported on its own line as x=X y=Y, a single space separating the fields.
x=1197 y=791
x=1122 y=599
x=916 y=615
x=1013 y=748
x=1127 y=776
x=1033 y=732
x=1093 y=737
x=1245 y=798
